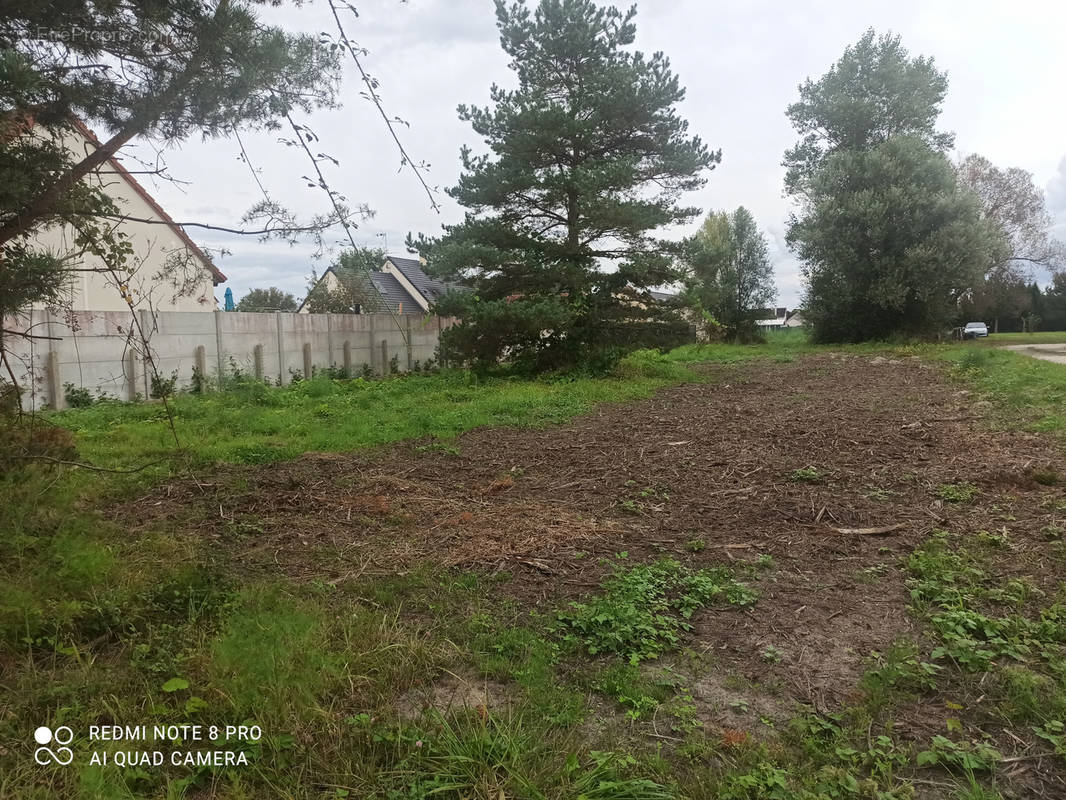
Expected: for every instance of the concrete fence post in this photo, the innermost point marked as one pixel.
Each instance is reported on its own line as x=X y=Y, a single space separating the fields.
x=307 y=361
x=199 y=358
x=347 y=358
x=410 y=354
x=370 y=341
x=329 y=338
x=146 y=338
x=218 y=346
x=281 y=351
x=440 y=346
x=56 y=399
x=384 y=357
x=131 y=375
x=257 y=359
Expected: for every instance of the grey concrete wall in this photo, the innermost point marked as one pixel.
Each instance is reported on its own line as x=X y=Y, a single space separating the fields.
x=92 y=349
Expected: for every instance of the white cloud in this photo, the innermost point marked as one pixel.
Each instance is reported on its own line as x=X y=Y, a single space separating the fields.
x=1056 y=190
x=741 y=62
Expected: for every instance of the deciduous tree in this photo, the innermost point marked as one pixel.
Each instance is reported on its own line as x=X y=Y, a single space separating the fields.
x=888 y=240
x=354 y=291
x=730 y=271
x=272 y=299
x=1012 y=203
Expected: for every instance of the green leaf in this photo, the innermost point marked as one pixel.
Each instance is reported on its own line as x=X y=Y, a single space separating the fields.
x=927 y=758
x=175 y=685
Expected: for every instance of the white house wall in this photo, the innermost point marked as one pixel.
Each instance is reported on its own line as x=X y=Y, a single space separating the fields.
x=152 y=243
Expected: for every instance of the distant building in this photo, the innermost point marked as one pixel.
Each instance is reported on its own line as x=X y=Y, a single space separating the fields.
x=771 y=319
x=794 y=319
x=402 y=285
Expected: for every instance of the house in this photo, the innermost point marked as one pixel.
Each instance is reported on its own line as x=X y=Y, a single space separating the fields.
x=771 y=319
x=663 y=297
x=169 y=271
x=794 y=319
x=401 y=283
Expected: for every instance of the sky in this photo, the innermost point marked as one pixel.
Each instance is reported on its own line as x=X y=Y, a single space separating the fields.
x=740 y=61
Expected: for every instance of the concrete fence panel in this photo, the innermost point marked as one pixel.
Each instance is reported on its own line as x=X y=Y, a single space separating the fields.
x=101 y=351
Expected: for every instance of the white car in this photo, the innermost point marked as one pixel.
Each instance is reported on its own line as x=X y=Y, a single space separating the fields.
x=974 y=330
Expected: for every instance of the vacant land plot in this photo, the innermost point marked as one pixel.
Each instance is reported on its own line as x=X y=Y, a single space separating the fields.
x=820 y=576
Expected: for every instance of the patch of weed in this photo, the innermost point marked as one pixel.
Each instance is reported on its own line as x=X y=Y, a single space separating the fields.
x=644 y=610
x=807 y=475
x=972 y=756
x=957 y=492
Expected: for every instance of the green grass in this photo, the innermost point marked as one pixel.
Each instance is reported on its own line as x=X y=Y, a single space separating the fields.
x=592 y=699
x=162 y=627
x=256 y=423
x=1039 y=337
x=1025 y=392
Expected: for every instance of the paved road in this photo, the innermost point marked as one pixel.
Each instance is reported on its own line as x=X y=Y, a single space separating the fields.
x=1048 y=352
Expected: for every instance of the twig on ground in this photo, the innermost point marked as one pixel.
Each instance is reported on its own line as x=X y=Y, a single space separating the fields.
x=872 y=531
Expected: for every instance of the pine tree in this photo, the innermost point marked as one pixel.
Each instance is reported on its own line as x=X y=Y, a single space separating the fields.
x=588 y=158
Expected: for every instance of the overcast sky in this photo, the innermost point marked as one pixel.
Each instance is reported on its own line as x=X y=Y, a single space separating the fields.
x=741 y=61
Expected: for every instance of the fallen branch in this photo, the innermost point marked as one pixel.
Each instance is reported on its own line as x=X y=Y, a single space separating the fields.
x=83 y=465
x=1033 y=757
x=872 y=531
x=539 y=565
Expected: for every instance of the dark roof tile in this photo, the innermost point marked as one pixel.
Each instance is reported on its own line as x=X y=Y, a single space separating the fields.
x=395 y=296
x=430 y=288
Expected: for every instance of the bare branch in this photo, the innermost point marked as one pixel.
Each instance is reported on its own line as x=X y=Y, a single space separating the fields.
x=376 y=99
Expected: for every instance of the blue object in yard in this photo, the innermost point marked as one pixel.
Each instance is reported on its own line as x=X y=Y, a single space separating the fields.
x=230 y=305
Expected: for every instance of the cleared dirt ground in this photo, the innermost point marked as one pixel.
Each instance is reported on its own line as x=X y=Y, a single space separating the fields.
x=704 y=472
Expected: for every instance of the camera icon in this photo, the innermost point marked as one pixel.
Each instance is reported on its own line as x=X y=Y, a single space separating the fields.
x=62 y=736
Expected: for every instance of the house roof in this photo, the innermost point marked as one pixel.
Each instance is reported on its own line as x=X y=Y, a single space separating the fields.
x=662 y=297
x=430 y=288
x=393 y=295
x=396 y=298
x=216 y=274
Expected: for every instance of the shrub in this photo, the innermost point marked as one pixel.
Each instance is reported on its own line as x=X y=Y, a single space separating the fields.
x=77 y=396
x=163 y=387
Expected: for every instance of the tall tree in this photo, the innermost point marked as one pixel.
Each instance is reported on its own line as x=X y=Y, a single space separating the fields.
x=588 y=158
x=874 y=92
x=1012 y=203
x=731 y=275
x=888 y=240
x=703 y=256
x=272 y=299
